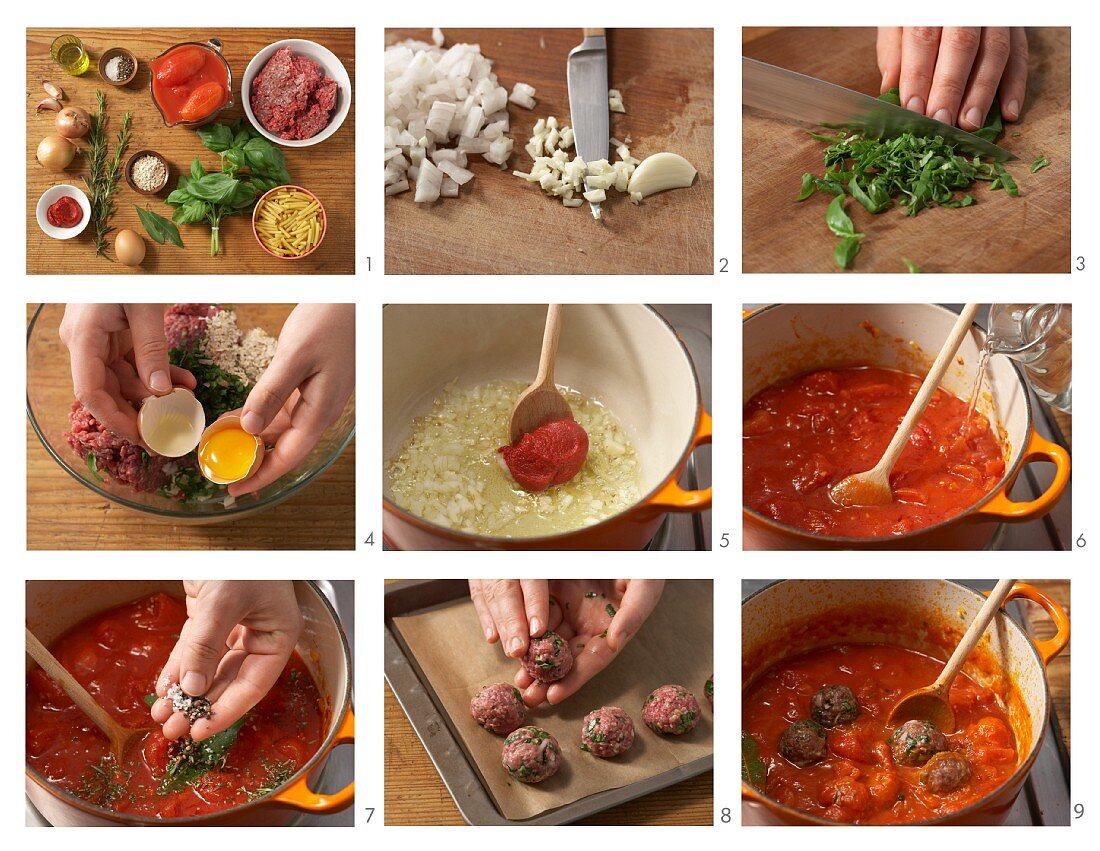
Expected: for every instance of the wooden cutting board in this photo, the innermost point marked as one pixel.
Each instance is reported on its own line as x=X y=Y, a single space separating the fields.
x=1030 y=233
x=501 y=224
x=327 y=169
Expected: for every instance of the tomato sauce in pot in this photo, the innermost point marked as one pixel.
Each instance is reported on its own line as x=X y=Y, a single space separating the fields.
x=803 y=435
x=859 y=780
x=117 y=655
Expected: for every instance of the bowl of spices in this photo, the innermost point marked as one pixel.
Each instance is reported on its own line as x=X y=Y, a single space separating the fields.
x=118 y=66
x=63 y=211
x=147 y=172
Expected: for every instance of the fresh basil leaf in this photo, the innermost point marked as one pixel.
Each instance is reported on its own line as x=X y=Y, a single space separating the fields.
x=857 y=192
x=807 y=187
x=206 y=756
x=216 y=187
x=190 y=212
x=891 y=96
x=243 y=196
x=753 y=770
x=837 y=220
x=159 y=228
x=1006 y=180
x=197 y=171
x=846 y=250
x=913 y=268
x=216 y=137
x=1040 y=162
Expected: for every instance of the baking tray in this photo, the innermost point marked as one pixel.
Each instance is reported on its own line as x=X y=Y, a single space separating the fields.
x=440 y=740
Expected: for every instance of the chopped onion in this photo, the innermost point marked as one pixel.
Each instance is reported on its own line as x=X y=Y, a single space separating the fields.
x=615 y=101
x=523 y=95
x=443 y=104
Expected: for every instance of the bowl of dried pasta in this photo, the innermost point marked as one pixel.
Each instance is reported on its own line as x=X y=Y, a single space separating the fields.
x=289 y=222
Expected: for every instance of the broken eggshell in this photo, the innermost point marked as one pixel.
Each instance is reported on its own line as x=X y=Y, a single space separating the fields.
x=229 y=421
x=171 y=425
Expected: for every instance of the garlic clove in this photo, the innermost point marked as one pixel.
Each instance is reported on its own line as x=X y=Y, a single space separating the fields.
x=48 y=105
x=659 y=172
x=52 y=90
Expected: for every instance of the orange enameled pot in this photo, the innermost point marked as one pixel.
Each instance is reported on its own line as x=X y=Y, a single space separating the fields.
x=625 y=355
x=53 y=607
x=787 y=340
x=790 y=617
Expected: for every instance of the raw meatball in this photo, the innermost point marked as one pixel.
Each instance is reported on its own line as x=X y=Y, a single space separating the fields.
x=548 y=658
x=804 y=743
x=499 y=708
x=914 y=742
x=671 y=709
x=607 y=732
x=833 y=705
x=531 y=755
x=945 y=772
x=708 y=690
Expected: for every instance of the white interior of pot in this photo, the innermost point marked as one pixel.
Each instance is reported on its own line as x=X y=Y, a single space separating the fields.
x=791 y=339
x=767 y=619
x=623 y=355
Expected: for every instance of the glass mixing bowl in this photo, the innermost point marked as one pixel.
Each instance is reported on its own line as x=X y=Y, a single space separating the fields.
x=50 y=399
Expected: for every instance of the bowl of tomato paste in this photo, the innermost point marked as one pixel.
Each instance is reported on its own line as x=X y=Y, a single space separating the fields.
x=63 y=211
x=824 y=388
x=114 y=637
x=191 y=83
x=877 y=640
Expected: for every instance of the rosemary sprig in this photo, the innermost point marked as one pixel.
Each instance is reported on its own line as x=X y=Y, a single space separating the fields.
x=102 y=180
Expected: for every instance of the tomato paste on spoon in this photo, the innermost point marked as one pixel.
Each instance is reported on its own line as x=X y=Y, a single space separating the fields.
x=552 y=454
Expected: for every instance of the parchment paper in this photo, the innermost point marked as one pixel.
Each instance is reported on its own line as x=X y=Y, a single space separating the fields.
x=676 y=645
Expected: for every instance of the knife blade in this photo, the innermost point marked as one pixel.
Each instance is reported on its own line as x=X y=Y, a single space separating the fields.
x=586 y=74
x=812 y=101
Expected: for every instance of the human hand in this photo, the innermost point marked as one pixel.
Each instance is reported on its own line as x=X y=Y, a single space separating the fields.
x=118 y=356
x=234 y=645
x=952 y=73
x=511 y=609
x=303 y=391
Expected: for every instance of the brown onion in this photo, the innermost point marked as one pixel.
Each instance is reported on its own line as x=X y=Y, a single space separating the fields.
x=55 y=153
x=73 y=122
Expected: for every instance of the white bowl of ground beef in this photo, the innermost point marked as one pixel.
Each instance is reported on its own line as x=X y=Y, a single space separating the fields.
x=296 y=93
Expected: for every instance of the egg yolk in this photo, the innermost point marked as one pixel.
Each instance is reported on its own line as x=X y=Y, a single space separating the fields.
x=227 y=454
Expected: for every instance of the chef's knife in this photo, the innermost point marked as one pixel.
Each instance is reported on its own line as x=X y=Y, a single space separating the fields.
x=813 y=101
x=587 y=76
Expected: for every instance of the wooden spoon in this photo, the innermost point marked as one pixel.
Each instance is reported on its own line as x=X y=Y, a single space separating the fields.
x=120 y=737
x=541 y=402
x=872 y=487
x=931 y=702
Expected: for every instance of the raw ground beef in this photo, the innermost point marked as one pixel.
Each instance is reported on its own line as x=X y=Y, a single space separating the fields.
x=114 y=456
x=185 y=324
x=291 y=97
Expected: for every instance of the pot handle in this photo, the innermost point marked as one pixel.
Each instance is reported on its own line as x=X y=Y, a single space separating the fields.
x=1000 y=507
x=672 y=497
x=1052 y=646
x=300 y=797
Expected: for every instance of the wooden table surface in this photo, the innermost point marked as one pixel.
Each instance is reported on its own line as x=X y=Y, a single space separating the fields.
x=1030 y=233
x=327 y=169
x=415 y=794
x=500 y=224
x=63 y=514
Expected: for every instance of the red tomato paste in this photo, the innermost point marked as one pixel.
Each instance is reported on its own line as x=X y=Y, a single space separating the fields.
x=858 y=780
x=804 y=435
x=552 y=454
x=65 y=212
x=189 y=83
x=117 y=655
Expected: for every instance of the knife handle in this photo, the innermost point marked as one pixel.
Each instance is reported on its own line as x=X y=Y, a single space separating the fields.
x=593 y=32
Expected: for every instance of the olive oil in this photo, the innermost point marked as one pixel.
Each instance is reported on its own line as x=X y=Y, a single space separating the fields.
x=68 y=52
